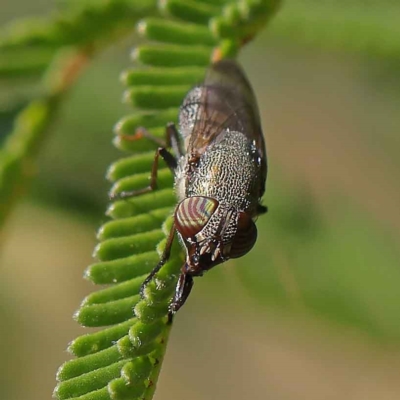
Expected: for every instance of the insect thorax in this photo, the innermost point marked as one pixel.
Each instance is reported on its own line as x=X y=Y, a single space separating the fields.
x=226 y=172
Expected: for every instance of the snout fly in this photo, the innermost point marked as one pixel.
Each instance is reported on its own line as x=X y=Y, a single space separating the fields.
x=219 y=162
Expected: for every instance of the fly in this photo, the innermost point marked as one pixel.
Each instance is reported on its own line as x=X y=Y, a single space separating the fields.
x=219 y=177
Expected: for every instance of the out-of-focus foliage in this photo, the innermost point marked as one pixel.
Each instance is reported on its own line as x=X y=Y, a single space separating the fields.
x=50 y=52
x=345 y=271
x=363 y=26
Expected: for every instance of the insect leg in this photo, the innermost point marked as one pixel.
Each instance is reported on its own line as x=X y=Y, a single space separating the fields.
x=169 y=160
x=163 y=260
x=140 y=133
x=173 y=139
x=182 y=291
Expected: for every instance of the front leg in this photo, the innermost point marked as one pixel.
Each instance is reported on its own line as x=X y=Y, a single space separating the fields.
x=172 y=138
x=171 y=163
x=182 y=291
x=164 y=258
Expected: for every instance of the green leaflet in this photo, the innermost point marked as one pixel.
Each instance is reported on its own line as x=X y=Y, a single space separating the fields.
x=51 y=51
x=123 y=360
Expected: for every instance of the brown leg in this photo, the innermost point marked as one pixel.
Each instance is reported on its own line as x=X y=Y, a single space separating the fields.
x=172 y=138
x=163 y=260
x=182 y=291
x=140 y=133
x=169 y=160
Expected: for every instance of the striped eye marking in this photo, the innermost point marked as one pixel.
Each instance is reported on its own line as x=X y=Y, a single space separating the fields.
x=193 y=213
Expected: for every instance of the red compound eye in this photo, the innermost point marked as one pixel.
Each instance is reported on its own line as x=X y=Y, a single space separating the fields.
x=193 y=214
x=245 y=237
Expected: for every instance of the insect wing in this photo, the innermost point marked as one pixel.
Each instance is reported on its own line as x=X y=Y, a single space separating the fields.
x=224 y=102
x=236 y=100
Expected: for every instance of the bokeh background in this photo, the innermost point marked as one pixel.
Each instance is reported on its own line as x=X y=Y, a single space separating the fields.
x=313 y=312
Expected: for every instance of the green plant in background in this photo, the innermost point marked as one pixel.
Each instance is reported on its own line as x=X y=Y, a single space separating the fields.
x=123 y=360
x=360 y=26
x=44 y=56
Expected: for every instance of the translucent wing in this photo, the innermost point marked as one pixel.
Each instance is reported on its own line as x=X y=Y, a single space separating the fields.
x=223 y=102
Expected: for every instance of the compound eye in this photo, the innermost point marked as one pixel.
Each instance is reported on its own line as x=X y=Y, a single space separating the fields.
x=193 y=213
x=245 y=238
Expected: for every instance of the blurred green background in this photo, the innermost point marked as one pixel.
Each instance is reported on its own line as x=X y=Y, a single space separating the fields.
x=313 y=312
